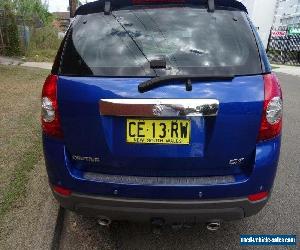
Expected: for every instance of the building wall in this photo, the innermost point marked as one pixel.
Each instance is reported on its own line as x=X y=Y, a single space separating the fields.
x=262 y=13
x=288 y=13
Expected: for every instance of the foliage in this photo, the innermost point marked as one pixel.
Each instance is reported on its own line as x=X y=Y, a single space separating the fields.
x=284 y=57
x=28 y=9
x=45 y=38
x=32 y=13
x=10 y=34
x=44 y=44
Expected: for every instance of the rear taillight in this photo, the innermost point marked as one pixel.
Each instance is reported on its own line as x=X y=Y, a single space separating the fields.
x=51 y=124
x=271 y=123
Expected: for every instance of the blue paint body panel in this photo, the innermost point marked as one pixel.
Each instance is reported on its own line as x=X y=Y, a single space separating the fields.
x=214 y=140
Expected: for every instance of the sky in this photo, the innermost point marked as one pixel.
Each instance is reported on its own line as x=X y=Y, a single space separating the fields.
x=59 y=5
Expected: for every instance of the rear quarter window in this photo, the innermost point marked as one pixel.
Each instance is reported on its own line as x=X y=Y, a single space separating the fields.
x=190 y=39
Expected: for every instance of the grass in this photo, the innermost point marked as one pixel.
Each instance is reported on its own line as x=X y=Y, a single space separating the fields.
x=44 y=44
x=20 y=145
x=41 y=55
x=17 y=187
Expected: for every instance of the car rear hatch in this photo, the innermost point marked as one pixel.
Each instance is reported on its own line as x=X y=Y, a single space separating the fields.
x=200 y=120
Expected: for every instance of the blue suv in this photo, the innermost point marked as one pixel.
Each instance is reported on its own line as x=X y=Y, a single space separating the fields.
x=162 y=110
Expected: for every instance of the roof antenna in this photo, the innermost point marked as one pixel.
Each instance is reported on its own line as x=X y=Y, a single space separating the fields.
x=211 y=5
x=107 y=8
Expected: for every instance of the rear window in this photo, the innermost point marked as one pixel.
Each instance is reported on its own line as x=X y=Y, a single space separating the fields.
x=190 y=39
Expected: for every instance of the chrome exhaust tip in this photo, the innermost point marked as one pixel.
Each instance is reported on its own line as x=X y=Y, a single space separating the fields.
x=104 y=221
x=213 y=226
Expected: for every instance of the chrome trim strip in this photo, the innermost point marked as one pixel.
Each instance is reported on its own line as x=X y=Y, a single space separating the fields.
x=148 y=180
x=159 y=107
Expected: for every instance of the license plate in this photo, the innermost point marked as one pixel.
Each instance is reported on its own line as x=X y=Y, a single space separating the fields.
x=158 y=131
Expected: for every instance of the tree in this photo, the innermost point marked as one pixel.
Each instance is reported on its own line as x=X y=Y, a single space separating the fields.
x=73 y=4
x=28 y=9
x=24 y=12
x=9 y=31
x=73 y=7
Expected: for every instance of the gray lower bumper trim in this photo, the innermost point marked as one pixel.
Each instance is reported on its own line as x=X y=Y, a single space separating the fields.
x=169 y=210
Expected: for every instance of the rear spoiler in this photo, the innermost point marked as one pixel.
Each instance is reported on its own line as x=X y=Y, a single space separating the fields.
x=107 y=6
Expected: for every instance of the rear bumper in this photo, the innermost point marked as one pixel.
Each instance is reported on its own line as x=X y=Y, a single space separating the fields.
x=167 y=210
x=62 y=173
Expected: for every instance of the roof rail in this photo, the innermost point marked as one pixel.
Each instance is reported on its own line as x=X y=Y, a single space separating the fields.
x=211 y=5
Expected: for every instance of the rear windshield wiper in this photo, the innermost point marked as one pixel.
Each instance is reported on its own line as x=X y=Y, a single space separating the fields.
x=168 y=80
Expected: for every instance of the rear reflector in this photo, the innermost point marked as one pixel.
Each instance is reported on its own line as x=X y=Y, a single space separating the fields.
x=271 y=122
x=258 y=196
x=62 y=191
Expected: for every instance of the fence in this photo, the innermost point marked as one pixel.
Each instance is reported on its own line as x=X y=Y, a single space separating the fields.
x=284 y=46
